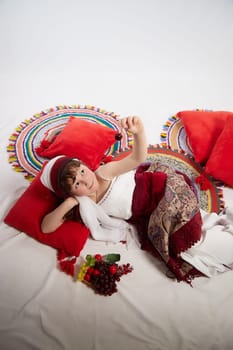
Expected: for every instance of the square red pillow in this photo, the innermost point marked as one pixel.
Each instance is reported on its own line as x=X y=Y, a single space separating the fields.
x=27 y=213
x=202 y=129
x=81 y=139
x=220 y=162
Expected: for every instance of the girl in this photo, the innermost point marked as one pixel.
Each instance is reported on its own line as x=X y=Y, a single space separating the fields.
x=159 y=201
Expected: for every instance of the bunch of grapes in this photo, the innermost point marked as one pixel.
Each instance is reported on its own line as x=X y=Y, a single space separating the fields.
x=102 y=273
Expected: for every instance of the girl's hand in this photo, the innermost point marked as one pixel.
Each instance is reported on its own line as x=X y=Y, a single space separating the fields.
x=71 y=201
x=137 y=154
x=132 y=124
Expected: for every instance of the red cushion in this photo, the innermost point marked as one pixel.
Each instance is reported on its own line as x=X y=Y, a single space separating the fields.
x=220 y=162
x=202 y=129
x=30 y=208
x=82 y=139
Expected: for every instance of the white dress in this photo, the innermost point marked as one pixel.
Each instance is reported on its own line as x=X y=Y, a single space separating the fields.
x=117 y=201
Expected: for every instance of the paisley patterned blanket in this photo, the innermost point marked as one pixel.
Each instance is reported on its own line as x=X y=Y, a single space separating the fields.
x=167 y=216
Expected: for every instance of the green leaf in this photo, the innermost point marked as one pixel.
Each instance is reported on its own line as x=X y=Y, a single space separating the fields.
x=111 y=258
x=88 y=257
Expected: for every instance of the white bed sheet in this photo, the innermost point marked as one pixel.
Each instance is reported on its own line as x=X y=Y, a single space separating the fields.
x=42 y=308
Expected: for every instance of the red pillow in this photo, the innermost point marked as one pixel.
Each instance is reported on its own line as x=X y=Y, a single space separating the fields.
x=202 y=129
x=30 y=208
x=82 y=139
x=220 y=162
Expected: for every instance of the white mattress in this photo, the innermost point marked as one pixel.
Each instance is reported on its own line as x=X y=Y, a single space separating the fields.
x=148 y=70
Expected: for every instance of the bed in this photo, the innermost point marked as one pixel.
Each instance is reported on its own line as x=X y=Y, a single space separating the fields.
x=41 y=307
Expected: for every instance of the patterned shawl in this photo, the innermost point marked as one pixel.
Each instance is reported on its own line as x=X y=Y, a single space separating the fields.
x=167 y=216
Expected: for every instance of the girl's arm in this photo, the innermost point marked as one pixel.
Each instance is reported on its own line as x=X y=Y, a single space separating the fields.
x=136 y=157
x=55 y=218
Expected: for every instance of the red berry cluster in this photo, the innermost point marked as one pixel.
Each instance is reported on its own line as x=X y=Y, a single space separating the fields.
x=103 y=274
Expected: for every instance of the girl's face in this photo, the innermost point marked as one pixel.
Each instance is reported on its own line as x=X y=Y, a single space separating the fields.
x=85 y=183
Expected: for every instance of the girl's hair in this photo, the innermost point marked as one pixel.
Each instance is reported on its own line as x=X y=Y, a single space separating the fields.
x=67 y=179
x=69 y=174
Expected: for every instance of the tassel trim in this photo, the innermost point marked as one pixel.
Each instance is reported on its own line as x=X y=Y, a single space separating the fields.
x=66 y=263
x=165 y=128
x=208 y=183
